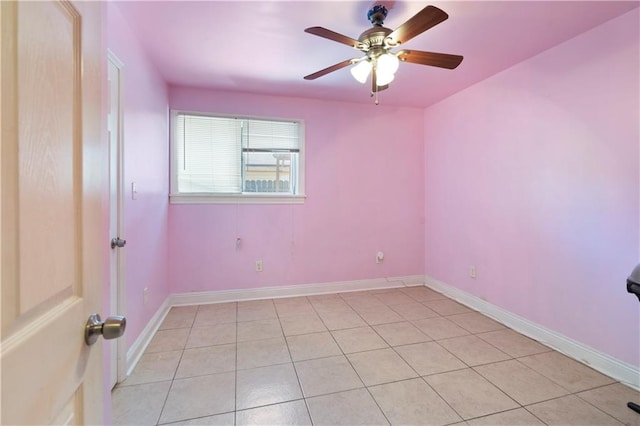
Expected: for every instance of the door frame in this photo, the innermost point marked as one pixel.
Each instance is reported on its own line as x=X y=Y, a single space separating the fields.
x=117 y=291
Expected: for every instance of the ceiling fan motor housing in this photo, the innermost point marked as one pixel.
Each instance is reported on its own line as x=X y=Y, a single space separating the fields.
x=373 y=39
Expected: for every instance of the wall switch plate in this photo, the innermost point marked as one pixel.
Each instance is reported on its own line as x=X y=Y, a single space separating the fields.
x=472 y=272
x=259 y=266
x=134 y=191
x=379 y=257
x=145 y=295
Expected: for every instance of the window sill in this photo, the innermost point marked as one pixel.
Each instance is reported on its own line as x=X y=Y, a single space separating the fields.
x=235 y=199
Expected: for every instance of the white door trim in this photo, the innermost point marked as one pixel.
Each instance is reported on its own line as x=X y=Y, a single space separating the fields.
x=118 y=298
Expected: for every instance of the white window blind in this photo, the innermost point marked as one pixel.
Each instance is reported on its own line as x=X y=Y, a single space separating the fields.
x=208 y=154
x=271 y=135
x=230 y=155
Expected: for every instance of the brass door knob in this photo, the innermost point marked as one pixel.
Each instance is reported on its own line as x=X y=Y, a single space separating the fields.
x=112 y=328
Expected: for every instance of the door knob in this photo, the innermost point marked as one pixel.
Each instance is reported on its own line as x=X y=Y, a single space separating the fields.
x=117 y=242
x=112 y=328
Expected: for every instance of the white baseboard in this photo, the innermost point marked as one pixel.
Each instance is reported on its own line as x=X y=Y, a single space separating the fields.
x=606 y=364
x=205 y=297
x=140 y=344
x=410 y=280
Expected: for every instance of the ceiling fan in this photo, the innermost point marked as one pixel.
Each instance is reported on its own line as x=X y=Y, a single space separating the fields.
x=377 y=42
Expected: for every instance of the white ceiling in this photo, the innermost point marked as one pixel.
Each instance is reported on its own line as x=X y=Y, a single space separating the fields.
x=261 y=47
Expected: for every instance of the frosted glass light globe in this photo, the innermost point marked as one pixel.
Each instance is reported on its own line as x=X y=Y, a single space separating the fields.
x=361 y=70
x=384 y=78
x=388 y=64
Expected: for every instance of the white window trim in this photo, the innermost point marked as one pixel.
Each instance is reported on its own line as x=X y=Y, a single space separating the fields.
x=241 y=198
x=195 y=198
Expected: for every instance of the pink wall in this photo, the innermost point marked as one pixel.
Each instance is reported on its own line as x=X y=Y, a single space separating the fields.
x=364 y=175
x=533 y=177
x=146 y=162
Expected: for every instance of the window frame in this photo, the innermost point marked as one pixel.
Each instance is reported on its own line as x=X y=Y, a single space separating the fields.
x=233 y=198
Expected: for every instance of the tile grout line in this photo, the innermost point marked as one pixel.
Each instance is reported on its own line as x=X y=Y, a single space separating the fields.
x=164 y=404
x=348 y=360
x=427 y=383
x=504 y=411
x=293 y=364
x=512 y=358
x=235 y=384
x=356 y=371
x=277 y=318
x=575 y=394
x=597 y=408
x=524 y=365
x=396 y=381
x=463 y=362
x=470 y=367
x=420 y=376
x=528 y=411
x=370 y=326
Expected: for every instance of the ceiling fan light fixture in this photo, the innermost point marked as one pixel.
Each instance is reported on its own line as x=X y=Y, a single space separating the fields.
x=387 y=63
x=361 y=70
x=376 y=44
x=384 y=78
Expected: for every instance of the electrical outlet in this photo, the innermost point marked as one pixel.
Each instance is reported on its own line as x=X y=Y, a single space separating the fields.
x=145 y=295
x=259 y=266
x=472 y=272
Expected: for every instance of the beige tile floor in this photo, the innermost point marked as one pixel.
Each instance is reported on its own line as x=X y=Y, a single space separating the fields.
x=406 y=356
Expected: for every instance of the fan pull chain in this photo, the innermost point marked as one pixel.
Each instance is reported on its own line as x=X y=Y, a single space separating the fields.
x=374 y=94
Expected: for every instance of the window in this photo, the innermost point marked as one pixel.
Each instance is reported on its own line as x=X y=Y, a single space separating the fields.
x=236 y=159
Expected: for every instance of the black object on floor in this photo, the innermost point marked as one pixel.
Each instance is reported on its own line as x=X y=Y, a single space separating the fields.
x=633 y=287
x=633 y=282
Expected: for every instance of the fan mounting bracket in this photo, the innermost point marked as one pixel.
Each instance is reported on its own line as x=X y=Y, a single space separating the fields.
x=377 y=14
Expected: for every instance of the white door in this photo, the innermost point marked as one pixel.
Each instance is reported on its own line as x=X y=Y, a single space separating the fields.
x=54 y=182
x=116 y=214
